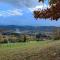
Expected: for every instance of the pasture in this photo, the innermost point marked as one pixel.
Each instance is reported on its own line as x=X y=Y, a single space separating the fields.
x=33 y=50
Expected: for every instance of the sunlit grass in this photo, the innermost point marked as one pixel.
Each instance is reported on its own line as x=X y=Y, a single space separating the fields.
x=19 y=51
x=24 y=44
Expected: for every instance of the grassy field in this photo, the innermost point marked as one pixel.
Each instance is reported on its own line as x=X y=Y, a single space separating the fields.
x=33 y=50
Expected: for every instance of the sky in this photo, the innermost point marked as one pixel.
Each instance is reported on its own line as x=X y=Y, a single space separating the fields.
x=20 y=12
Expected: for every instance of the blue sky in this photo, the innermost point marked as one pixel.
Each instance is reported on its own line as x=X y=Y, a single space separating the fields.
x=19 y=12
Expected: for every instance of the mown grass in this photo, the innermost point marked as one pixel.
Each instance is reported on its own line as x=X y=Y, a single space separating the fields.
x=33 y=50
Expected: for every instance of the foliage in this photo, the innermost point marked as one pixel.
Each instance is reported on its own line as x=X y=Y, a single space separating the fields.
x=10 y=39
x=24 y=38
x=50 y=1
x=56 y=34
x=53 y=12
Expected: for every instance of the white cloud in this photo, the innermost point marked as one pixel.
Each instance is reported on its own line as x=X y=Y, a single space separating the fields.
x=39 y=7
x=23 y=3
x=12 y=12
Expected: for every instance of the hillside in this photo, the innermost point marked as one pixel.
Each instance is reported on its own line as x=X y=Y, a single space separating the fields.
x=33 y=28
x=43 y=50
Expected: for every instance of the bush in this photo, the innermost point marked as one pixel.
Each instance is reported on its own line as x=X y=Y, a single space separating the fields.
x=24 y=40
x=57 y=38
x=4 y=41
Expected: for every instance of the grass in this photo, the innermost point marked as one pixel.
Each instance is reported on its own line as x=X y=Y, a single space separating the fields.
x=23 y=45
x=33 y=50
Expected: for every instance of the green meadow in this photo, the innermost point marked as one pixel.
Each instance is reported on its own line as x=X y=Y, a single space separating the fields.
x=33 y=50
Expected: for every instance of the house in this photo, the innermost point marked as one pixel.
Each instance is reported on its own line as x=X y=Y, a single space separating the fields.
x=42 y=36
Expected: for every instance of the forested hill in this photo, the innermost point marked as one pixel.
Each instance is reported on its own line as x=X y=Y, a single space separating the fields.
x=41 y=28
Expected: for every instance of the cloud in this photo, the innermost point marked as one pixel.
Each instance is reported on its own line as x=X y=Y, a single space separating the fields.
x=30 y=4
x=21 y=3
x=40 y=7
x=12 y=12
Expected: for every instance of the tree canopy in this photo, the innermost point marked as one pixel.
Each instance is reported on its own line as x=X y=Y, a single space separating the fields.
x=53 y=12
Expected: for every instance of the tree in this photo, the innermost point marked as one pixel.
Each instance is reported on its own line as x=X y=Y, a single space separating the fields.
x=56 y=33
x=38 y=37
x=24 y=38
x=53 y=12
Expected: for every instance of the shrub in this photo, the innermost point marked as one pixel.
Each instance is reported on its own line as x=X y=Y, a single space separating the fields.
x=24 y=40
x=57 y=38
x=4 y=41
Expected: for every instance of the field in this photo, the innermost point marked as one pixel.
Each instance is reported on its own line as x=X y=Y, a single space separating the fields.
x=33 y=50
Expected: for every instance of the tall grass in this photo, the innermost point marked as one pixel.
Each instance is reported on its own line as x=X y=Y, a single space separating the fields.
x=33 y=50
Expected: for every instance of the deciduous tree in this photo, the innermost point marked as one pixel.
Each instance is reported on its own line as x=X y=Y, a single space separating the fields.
x=53 y=12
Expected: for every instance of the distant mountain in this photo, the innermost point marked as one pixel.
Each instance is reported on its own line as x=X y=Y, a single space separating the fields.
x=22 y=28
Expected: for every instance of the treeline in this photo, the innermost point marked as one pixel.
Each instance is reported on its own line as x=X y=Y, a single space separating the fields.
x=13 y=38
x=16 y=37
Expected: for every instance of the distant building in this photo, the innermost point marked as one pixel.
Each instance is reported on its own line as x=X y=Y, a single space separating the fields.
x=16 y=31
x=42 y=36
